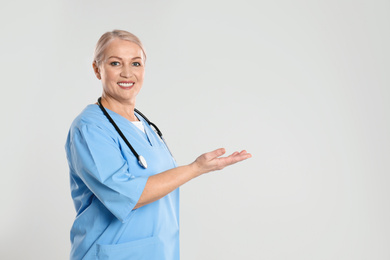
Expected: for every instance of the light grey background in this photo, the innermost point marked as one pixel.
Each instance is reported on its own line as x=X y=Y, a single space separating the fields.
x=302 y=85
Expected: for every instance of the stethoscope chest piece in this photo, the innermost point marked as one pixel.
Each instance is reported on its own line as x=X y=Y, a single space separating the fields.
x=142 y=162
x=141 y=159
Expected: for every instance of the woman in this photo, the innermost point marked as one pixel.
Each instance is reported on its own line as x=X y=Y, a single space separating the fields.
x=127 y=207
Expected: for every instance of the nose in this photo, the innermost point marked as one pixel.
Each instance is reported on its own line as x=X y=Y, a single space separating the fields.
x=126 y=72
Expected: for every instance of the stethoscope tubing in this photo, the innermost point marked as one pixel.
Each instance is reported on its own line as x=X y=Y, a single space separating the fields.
x=140 y=158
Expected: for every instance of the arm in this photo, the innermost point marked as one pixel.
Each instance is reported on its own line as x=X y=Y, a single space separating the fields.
x=163 y=183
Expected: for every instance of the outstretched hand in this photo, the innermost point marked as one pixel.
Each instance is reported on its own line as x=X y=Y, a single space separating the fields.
x=212 y=161
x=161 y=184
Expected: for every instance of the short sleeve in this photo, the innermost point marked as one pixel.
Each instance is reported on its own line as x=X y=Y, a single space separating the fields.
x=97 y=159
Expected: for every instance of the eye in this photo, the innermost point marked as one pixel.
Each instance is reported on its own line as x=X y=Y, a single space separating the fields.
x=115 y=63
x=136 y=64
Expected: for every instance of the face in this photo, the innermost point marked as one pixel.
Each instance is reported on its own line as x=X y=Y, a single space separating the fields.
x=121 y=71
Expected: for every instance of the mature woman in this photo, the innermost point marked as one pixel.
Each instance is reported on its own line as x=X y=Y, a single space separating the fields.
x=124 y=181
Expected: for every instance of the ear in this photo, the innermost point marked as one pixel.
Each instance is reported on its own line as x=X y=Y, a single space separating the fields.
x=96 y=70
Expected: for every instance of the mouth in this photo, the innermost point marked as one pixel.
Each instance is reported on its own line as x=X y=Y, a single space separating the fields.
x=125 y=85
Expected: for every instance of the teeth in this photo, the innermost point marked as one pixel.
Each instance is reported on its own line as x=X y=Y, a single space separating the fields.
x=126 y=85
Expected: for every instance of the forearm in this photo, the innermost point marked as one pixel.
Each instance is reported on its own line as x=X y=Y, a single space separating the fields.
x=163 y=183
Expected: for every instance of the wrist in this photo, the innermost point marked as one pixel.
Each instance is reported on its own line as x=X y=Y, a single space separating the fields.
x=195 y=169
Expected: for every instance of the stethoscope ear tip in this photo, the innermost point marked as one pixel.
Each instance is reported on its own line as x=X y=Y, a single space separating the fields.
x=142 y=162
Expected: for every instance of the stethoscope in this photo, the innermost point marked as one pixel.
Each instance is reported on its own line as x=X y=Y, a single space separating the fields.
x=140 y=158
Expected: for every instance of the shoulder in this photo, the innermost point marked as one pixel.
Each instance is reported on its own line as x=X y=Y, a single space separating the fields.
x=90 y=118
x=91 y=115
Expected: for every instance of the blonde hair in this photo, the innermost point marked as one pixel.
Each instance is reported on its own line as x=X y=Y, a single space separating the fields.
x=106 y=38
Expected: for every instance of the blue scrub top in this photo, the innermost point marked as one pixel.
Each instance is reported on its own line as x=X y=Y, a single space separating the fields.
x=106 y=182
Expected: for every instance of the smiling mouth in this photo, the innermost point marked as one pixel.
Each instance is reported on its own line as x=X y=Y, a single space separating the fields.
x=125 y=84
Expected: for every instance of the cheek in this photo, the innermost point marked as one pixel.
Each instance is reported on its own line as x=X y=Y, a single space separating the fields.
x=141 y=75
x=108 y=79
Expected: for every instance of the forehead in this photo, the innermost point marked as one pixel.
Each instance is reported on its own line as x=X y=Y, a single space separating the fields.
x=123 y=49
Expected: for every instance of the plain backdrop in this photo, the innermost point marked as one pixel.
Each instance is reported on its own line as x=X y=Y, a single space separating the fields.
x=302 y=85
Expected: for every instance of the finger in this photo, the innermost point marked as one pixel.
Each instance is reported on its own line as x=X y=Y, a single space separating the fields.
x=215 y=154
x=243 y=155
x=225 y=161
x=234 y=154
x=232 y=159
x=243 y=152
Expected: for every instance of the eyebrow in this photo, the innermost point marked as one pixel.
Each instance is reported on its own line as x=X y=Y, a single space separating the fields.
x=119 y=58
x=116 y=57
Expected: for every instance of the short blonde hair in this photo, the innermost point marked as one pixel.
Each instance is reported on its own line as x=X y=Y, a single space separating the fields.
x=106 y=38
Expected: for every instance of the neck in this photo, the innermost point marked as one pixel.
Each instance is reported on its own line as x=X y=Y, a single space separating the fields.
x=125 y=109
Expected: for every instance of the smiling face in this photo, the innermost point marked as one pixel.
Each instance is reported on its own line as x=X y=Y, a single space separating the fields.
x=121 y=71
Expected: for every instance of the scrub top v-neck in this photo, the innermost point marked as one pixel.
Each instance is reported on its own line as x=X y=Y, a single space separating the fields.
x=106 y=183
